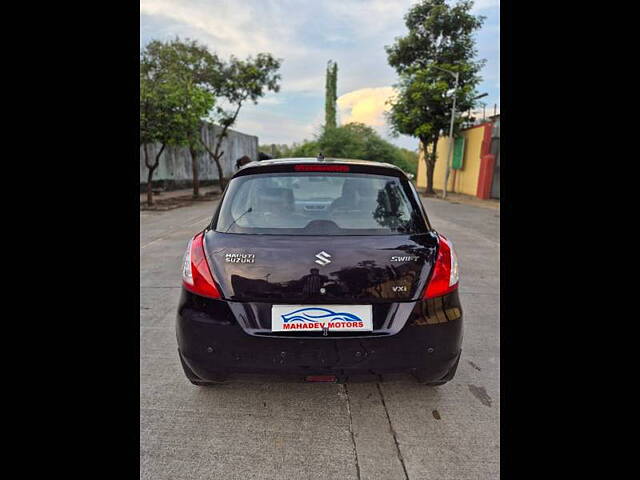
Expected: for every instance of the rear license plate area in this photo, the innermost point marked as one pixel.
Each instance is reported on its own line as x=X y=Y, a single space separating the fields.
x=319 y=318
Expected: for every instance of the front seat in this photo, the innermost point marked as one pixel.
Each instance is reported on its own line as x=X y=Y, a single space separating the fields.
x=367 y=196
x=274 y=201
x=348 y=198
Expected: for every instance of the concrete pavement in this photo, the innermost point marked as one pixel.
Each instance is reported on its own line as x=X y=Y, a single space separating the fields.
x=179 y=193
x=268 y=428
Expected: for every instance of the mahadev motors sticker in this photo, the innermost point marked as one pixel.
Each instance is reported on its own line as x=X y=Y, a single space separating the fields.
x=345 y=318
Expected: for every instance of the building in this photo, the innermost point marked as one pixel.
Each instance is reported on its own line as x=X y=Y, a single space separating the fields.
x=476 y=162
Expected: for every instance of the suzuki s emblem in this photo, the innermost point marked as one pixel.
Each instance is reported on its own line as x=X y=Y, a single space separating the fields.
x=323 y=258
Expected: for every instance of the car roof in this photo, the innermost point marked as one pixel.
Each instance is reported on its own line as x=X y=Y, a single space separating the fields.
x=312 y=160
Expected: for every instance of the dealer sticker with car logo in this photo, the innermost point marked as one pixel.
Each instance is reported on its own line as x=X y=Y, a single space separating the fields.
x=342 y=318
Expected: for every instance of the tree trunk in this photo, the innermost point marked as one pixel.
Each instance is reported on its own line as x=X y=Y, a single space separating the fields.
x=194 y=167
x=149 y=187
x=152 y=169
x=220 y=175
x=216 y=158
x=149 y=175
x=431 y=165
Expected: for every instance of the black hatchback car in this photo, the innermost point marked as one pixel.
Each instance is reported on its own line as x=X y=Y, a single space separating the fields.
x=320 y=268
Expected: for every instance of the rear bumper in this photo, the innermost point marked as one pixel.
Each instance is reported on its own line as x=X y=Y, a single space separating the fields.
x=212 y=343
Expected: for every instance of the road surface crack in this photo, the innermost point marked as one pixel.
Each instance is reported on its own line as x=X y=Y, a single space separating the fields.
x=353 y=437
x=393 y=433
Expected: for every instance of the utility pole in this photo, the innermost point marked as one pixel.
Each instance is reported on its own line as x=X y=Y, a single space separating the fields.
x=451 y=141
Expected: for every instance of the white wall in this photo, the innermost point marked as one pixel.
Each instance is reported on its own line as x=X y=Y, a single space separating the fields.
x=175 y=163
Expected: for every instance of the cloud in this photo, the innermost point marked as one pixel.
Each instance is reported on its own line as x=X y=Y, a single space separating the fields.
x=261 y=124
x=368 y=105
x=224 y=26
x=365 y=105
x=305 y=35
x=485 y=4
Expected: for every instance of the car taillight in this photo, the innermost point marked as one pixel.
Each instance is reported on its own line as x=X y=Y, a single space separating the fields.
x=444 y=278
x=196 y=275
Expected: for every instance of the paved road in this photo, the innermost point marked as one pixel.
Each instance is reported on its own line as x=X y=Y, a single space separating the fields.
x=268 y=428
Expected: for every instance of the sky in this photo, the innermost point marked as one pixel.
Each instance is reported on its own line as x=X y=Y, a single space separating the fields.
x=305 y=35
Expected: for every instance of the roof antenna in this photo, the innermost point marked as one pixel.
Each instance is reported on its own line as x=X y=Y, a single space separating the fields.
x=320 y=157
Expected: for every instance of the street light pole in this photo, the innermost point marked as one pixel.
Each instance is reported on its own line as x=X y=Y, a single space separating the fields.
x=451 y=142
x=456 y=75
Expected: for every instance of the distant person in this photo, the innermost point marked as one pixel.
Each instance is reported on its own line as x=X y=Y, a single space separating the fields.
x=242 y=161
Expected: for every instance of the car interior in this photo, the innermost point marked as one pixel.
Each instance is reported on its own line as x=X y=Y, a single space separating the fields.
x=295 y=201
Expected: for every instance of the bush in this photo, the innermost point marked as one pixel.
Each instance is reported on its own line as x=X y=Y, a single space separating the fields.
x=354 y=140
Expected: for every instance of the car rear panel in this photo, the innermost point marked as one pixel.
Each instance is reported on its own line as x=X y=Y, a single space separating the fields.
x=256 y=271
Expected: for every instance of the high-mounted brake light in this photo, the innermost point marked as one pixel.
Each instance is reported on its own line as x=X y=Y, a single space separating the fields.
x=196 y=274
x=444 y=278
x=321 y=168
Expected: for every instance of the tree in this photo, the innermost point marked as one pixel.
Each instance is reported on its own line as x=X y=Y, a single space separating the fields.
x=418 y=110
x=207 y=81
x=236 y=83
x=354 y=140
x=198 y=72
x=164 y=109
x=331 y=95
x=440 y=35
x=150 y=112
x=277 y=151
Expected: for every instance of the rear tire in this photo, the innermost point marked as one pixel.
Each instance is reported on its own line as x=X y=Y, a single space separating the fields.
x=194 y=379
x=420 y=376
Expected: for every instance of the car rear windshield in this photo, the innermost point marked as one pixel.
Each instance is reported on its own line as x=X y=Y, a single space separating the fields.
x=319 y=203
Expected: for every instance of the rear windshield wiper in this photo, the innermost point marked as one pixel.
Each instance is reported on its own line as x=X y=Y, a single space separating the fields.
x=250 y=209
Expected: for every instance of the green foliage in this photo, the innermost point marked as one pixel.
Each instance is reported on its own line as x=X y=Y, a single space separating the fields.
x=194 y=80
x=244 y=80
x=174 y=93
x=407 y=160
x=331 y=95
x=440 y=35
x=281 y=151
x=353 y=140
x=202 y=80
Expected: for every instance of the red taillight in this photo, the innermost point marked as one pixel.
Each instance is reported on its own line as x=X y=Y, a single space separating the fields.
x=196 y=275
x=321 y=168
x=444 y=277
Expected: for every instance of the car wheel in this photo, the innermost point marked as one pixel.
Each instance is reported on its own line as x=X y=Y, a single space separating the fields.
x=194 y=379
